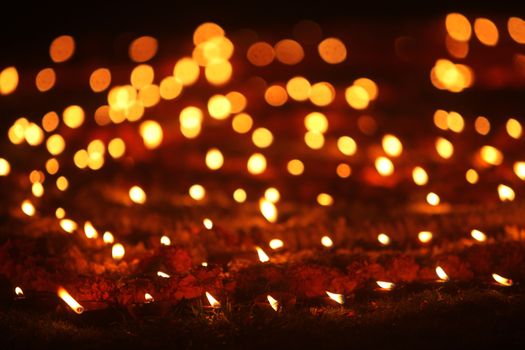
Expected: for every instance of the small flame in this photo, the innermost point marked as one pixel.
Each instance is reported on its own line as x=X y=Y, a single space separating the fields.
x=70 y=301
x=502 y=280
x=506 y=193
x=268 y=210
x=207 y=223
x=273 y=302
x=149 y=298
x=19 y=292
x=68 y=225
x=118 y=251
x=338 y=298
x=108 y=237
x=163 y=274
x=478 y=235
x=425 y=236
x=441 y=274
x=385 y=285
x=137 y=195
x=433 y=199
x=327 y=241
x=276 y=243
x=204 y=263
x=384 y=166
x=165 y=240
x=263 y=257
x=383 y=239
x=28 y=208
x=213 y=302
x=90 y=231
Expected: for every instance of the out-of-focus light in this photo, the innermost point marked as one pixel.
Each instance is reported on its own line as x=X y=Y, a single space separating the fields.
x=276 y=95
x=325 y=199
x=424 y=236
x=256 y=164
x=151 y=133
x=268 y=210
x=28 y=208
x=242 y=123
x=458 y=27
x=392 y=146
x=62 y=48
x=486 y=31
x=208 y=224
x=289 y=51
x=514 y=128
x=73 y=116
x=45 y=79
x=219 y=107
x=5 y=167
x=472 y=176
x=260 y=54
x=197 y=192
x=433 y=199
x=482 y=125
x=239 y=195
x=295 y=167
x=214 y=159
x=118 y=251
x=357 y=97
x=143 y=49
x=327 y=241
x=186 y=71
x=8 y=80
x=298 y=88
x=165 y=240
x=272 y=194
x=343 y=170
x=332 y=50
x=384 y=166
x=491 y=155
x=516 y=28
x=100 y=79
x=420 y=176
x=276 y=243
x=68 y=225
x=262 y=137
x=478 y=235
x=506 y=193
x=444 y=148
x=137 y=195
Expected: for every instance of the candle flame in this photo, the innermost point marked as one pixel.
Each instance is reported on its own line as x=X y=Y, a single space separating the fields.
x=207 y=223
x=89 y=230
x=163 y=274
x=213 y=302
x=68 y=225
x=478 y=235
x=384 y=166
x=268 y=210
x=276 y=243
x=165 y=240
x=108 y=237
x=28 y=208
x=433 y=199
x=502 y=280
x=263 y=257
x=273 y=302
x=117 y=251
x=425 y=236
x=19 y=292
x=327 y=241
x=441 y=274
x=506 y=193
x=383 y=239
x=338 y=298
x=149 y=298
x=385 y=285
x=70 y=301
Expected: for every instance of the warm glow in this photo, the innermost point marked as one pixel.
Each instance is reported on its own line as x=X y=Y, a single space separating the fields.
x=276 y=243
x=343 y=170
x=327 y=241
x=19 y=292
x=108 y=237
x=165 y=240
x=170 y=88
x=89 y=230
x=472 y=176
x=385 y=285
x=491 y=155
x=208 y=224
x=8 y=80
x=514 y=128
x=239 y=195
x=262 y=137
x=392 y=146
x=50 y=121
x=455 y=122
x=62 y=48
x=256 y=164
x=325 y=199
x=273 y=302
x=441 y=274
x=298 y=88
x=148 y=298
x=383 y=239
x=60 y=213
x=197 y=192
x=478 y=235
x=242 y=123
x=482 y=125
x=322 y=94
x=237 y=100
x=219 y=107
x=142 y=75
x=506 y=193
x=68 y=225
x=55 y=144
x=357 y=97
x=424 y=236
x=137 y=195
x=295 y=167
x=213 y=302
x=163 y=274
x=37 y=189
x=272 y=194
x=420 y=176
x=69 y=300
x=458 y=27
x=100 y=79
x=28 y=208
x=268 y=210
x=332 y=50
x=516 y=28
x=519 y=169
x=116 y=148
x=316 y=122
x=5 y=167
x=151 y=133
x=260 y=54
x=433 y=199
x=62 y=183
x=45 y=79
x=502 y=280
x=186 y=71
x=117 y=251
x=486 y=31
x=384 y=166
x=263 y=257
x=214 y=159
x=73 y=116
x=369 y=85
x=288 y=51
x=338 y=298
x=190 y=121
x=314 y=140
x=440 y=119
x=347 y=145
x=444 y=148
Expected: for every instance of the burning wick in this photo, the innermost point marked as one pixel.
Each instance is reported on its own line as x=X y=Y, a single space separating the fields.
x=425 y=236
x=163 y=274
x=478 y=235
x=273 y=302
x=213 y=302
x=385 y=285
x=441 y=274
x=149 y=298
x=502 y=280
x=276 y=243
x=165 y=240
x=263 y=257
x=118 y=251
x=70 y=301
x=338 y=298
x=19 y=292
x=383 y=239
x=327 y=241
x=268 y=210
x=207 y=223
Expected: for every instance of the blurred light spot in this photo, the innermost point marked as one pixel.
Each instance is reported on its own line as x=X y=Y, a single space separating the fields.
x=491 y=155
x=62 y=183
x=8 y=80
x=482 y=125
x=391 y=145
x=272 y=195
x=151 y=133
x=55 y=144
x=289 y=51
x=314 y=140
x=486 y=31
x=457 y=49
x=62 y=48
x=206 y=31
x=433 y=199
x=369 y=85
x=420 y=176
x=425 y=236
x=514 y=128
x=455 y=122
x=516 y=28
x=52 y=166
x=276 y=95
x=256 y=164
x=242 y=123
x=186 y=71
x=100 y=79
x=142 y=75
x=298 y=88
x=218 y=72
x=260 y=54
x=190 y=121
x=276 y=244
x=5 y=167
x=116 y=148
x=458 y=27
x=73 y=116
x=472 y=176
x=357 y=97
x=149 y=95
x=237 y=101
x=45 y=79
x=316 y=122
x=219 y=107
x=137 y=195
x=332 y=50
x=444 y=148
x=347 y=145
x=506 y=193
x=170 y=88
x=50 y=121
x=384 y=166
x=322 y=94
x=262 y=137
x=197 y=192
x=325 y=199
x=519 y=169
x=343 y=170
x=143 y=49
x=214 y=159
x=239 y=195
